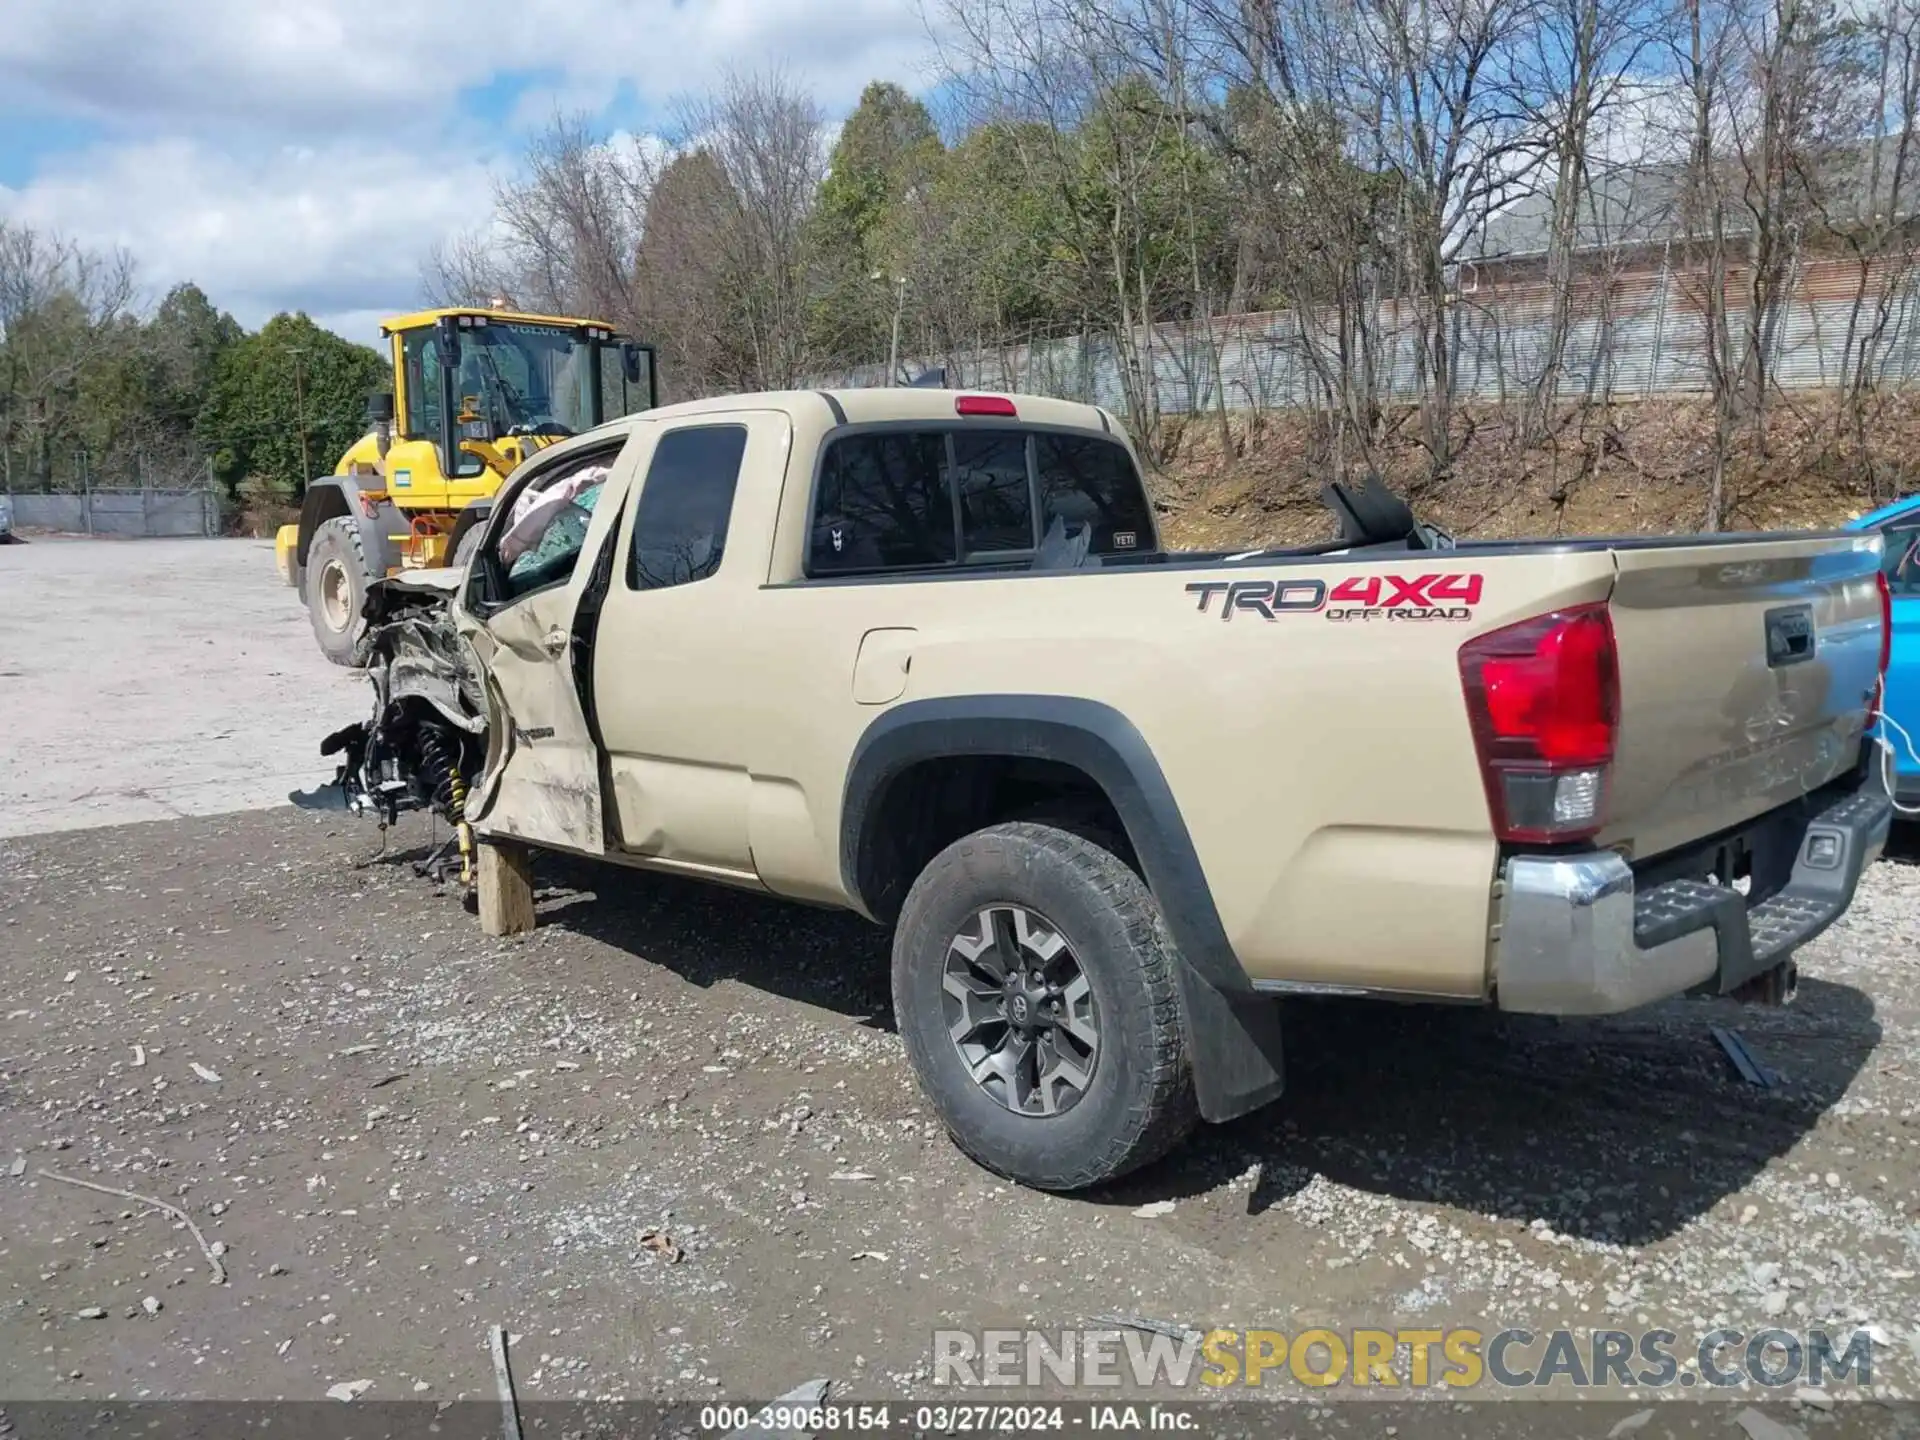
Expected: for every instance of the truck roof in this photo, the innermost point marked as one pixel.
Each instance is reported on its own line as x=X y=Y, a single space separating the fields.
x=878 y=405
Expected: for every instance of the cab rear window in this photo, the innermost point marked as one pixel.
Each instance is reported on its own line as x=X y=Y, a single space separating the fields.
x=923 y=498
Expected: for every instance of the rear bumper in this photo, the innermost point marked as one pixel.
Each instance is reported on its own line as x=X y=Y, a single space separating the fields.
x=1577 y=937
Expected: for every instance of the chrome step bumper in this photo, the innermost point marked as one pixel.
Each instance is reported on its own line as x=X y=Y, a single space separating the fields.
x=1576 y=938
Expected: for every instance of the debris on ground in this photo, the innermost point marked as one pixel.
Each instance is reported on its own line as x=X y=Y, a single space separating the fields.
x=1744 y=1060
x=213 y=1252
x=1151 y=1327
x=1155 y=1210
x=498 y=1341
x=801 y=1397
x=1764 y=1427
x=349 y=1389
x=661 y=1244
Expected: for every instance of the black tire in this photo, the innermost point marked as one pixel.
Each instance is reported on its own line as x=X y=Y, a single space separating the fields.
x=469 y=543
x=1139 y=1102
x=335 y=582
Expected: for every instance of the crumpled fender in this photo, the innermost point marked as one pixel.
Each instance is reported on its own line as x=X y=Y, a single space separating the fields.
x=417 y=653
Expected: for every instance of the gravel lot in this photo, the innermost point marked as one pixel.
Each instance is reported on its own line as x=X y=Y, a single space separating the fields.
x=416 y=1133
x=152 y=679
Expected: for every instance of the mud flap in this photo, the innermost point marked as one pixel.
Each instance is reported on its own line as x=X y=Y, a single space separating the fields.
x=1234 y=1042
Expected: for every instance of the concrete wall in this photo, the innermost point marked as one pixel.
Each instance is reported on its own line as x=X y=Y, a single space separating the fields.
x=126 y=513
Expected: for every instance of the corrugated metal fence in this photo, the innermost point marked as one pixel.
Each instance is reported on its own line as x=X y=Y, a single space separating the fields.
x=145 y=513
x=1636 y=333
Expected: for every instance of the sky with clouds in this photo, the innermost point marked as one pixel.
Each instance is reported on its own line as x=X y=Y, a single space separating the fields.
x=305 y=155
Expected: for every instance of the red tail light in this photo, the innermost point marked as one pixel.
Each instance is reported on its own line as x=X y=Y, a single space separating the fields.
x=985 y=405
x=1543 y=697
x=1886 y=642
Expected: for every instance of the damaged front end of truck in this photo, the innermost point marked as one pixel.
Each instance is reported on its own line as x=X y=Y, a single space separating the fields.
x=426 y=740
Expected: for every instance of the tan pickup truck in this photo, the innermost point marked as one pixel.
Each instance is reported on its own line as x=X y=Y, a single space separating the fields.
x=921 y=654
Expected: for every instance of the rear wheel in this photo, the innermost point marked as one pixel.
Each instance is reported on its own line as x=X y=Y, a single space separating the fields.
x=1034 y=987
x=336 y=577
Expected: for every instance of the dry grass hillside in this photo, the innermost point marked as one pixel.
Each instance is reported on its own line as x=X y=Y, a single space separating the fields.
x=1641 y=467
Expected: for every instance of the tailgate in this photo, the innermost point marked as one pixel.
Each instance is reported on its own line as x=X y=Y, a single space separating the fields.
x=1747 y=672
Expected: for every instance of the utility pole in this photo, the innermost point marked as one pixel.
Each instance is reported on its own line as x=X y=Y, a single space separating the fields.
x=893 y=350
x=899 y=304
x=300 y=412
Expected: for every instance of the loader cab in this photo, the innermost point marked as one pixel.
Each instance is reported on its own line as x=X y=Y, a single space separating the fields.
x=478 y=391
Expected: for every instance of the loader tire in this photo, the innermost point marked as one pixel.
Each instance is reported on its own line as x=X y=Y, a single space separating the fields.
x=1077 y=1069
x=469 y=543
x=337 y=576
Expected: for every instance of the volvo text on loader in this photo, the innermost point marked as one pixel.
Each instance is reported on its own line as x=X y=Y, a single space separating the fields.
x=474 y=393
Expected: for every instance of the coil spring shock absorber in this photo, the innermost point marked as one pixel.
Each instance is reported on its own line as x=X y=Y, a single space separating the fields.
x=440 y=767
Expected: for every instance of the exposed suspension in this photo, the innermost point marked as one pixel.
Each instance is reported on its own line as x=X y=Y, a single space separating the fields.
x=426 y=740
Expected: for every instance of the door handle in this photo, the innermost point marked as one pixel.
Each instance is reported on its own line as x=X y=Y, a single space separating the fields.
x=555 y=641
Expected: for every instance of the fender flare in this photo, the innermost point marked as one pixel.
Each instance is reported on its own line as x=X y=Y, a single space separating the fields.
x=1233 y=1032
x=336 y=495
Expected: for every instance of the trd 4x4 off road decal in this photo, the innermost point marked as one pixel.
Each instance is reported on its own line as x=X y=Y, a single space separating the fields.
x=1370 y=597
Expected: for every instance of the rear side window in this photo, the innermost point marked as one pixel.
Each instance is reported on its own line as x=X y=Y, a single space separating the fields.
x=890 y=500
x=884 y=503
x=686 y=502
x=1084 y=481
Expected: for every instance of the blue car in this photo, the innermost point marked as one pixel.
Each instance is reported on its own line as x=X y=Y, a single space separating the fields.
x=1900 y=524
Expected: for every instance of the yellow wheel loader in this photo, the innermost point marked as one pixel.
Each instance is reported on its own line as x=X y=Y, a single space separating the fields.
x=475 y=392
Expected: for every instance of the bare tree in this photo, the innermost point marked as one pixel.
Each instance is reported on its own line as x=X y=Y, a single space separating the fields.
x=1585 y=53
x=1870 y=219
x=1413 y=118
x=467 y=270
x=1439 y=84
x=1110 y=150
x=564 y=234
x=1800 y=107
x=766 y=138
x=1705 y=64
x=1315 y=226
x=687 y=288
x=571 y=222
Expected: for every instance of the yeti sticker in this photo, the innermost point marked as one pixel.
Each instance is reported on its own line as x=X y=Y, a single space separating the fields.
x=839 y=538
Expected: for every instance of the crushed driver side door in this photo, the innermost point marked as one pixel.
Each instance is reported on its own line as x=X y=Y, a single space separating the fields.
x=521 y=611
